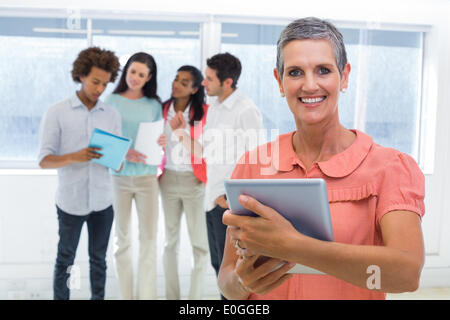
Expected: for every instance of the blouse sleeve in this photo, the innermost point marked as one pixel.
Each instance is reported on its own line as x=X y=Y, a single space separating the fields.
x=246 y=167
x=239 y=171
x=402 y=187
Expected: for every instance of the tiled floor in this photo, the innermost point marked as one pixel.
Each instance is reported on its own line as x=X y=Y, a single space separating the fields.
x=422 y=294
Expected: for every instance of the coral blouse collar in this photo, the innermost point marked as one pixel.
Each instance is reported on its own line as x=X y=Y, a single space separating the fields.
x=338 y=166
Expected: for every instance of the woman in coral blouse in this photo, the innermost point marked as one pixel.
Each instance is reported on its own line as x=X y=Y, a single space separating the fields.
x=375 y=193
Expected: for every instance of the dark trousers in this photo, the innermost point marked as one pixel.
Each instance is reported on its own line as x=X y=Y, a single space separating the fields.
x=216 y=236
x=99 y=227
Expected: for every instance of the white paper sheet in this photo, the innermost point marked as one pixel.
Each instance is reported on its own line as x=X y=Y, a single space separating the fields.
x=146 y=141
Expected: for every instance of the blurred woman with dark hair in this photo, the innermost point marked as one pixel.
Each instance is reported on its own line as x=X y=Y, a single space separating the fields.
x=136 y=99
x=182 y=182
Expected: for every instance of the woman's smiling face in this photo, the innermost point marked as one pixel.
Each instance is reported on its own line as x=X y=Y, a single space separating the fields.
x=137 y=75
x=311 y=80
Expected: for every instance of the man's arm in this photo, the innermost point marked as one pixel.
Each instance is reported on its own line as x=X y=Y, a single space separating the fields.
x=50 y=143
x=54 y=162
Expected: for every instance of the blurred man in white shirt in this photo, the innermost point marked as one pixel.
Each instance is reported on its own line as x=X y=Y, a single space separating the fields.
x=232 y=120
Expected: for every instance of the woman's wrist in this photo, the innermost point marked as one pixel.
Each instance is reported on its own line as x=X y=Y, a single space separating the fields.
x=244 y=292
x=230 y=285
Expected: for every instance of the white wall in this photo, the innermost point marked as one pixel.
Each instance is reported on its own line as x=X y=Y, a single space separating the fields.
x=28 y=225
x=401 y=11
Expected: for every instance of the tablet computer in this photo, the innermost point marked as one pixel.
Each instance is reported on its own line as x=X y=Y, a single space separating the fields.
x=303 y=202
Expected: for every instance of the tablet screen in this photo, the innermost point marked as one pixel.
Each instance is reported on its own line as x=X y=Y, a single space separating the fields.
x=303 y=202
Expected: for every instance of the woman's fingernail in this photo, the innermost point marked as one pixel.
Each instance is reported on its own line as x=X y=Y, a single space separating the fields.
x=244 y=198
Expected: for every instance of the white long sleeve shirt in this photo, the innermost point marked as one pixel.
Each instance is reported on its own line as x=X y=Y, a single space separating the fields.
x=233 y=127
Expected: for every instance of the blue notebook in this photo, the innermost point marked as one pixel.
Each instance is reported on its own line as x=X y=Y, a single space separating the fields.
x=114 y=148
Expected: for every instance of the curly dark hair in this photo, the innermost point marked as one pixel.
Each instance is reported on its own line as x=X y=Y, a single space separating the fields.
x=95 y=57
x=226 y=66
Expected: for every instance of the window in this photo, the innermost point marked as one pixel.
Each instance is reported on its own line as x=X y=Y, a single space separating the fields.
x=172 y=44
x=392 y=76
x=35 y=67
x=40 y=53
x=383 y=98
x=384 y=94
x=255 y=46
